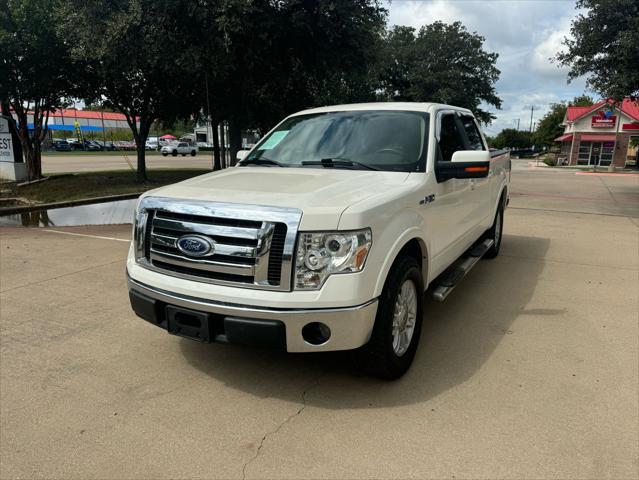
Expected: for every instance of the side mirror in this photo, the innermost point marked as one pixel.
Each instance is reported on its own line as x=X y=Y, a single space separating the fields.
x=464 y=164
x=471 y=156
x=241 y=155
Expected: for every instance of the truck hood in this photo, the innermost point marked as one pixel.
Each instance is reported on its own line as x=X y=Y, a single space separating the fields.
x=321 y=193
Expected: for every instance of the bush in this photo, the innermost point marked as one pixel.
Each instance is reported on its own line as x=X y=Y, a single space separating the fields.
x=550 y=161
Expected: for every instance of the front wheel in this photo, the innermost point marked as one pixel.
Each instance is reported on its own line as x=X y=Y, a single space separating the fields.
x=174 y=153
x=164 y=154
x=495 y=233
x=391 y=349
x=193 y=153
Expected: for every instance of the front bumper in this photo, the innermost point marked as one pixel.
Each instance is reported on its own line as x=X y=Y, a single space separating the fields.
x=350 y=327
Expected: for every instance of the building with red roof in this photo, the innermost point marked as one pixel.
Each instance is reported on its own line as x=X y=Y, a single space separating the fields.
x=67 y=119
x=601 y=134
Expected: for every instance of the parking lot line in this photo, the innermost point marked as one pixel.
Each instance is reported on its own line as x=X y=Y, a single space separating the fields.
x=85 y=235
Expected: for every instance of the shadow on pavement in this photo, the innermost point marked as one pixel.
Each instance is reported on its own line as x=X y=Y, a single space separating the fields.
x=459 y=335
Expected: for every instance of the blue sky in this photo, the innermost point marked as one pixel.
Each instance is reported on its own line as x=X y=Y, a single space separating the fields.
x=524 y=33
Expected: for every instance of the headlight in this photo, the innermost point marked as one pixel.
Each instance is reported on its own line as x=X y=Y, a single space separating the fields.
x=139 y=230
x=321 y=254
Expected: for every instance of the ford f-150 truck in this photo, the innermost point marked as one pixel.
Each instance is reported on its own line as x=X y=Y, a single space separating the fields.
x=326 y=234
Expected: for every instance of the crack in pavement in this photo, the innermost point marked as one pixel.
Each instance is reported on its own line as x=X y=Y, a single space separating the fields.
x=279 y=427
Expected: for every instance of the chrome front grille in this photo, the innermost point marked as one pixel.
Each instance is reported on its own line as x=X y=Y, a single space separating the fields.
x=253 y=245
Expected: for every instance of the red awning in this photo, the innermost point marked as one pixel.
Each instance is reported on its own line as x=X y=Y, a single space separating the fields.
x=564 y=138
x=630 y=126
x=598 y=138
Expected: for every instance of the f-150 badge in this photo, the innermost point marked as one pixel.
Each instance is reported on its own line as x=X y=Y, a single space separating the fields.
x=427 y=199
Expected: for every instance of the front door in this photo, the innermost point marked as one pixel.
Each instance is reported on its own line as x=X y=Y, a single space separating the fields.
x=595 y=154
x=456 y=210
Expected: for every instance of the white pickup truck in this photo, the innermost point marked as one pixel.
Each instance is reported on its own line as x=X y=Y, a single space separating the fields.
x=179 y=148
x=326 y=235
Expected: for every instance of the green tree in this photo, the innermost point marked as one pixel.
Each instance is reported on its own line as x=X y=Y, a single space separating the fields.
x=440 y=63
x=143 y=59
x=605 y=47
x=512 y=138
x=551 y=125
x=268 y=59
x=36 y=71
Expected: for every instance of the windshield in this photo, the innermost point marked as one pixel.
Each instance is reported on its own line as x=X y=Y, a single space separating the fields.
x=374 y=139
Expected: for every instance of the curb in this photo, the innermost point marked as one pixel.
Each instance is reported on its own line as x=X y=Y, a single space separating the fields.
x=606 y=174
x=70 y=203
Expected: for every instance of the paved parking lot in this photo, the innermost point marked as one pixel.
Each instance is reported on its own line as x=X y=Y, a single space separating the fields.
x=528 y=370
x=77 y=162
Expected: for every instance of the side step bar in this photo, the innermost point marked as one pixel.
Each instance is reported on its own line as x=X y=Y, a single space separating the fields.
x=458 y=270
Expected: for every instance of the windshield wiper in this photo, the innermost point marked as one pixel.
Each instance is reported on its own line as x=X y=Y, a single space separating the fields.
x=261 y=161
x=339 y=162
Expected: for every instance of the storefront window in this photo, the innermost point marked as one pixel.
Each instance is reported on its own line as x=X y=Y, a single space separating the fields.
x=584 y=153
x=607 y=150
x=595 y=153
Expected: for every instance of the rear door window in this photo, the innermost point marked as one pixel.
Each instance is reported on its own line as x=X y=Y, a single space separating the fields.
x=472 y=133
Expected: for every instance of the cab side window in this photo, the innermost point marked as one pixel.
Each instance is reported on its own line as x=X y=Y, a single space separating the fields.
x=472 y=133
x=450 y=138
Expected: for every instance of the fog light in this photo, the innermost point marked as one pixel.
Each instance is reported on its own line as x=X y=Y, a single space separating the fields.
x=316 y=333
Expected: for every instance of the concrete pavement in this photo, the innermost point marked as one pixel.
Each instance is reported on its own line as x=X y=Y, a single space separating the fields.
x=528 y=370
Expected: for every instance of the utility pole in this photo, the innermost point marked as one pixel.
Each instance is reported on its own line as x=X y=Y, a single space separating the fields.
x=532 y=109
x=518 y=123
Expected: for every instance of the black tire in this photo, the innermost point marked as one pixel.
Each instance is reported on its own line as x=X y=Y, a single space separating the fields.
x=174 y=153
x=193 y=153
x=164 y=154
x=184 y=154
x=496 y=232
x=377 y=357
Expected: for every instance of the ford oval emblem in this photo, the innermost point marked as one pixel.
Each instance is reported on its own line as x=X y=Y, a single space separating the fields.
x=195 y=245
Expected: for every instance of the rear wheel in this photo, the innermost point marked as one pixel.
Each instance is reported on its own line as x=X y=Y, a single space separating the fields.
x=164 y=154
x=193 y=153
x=495 y=233
x=174 y=153
x=395 y=337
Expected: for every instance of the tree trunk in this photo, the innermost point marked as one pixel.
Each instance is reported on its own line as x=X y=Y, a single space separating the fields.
x=235 y=139
x=31 y=154
x=140 y=135
x=216 y=148
x=141 y=166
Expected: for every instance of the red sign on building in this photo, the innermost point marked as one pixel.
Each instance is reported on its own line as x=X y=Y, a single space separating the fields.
x=603 y=120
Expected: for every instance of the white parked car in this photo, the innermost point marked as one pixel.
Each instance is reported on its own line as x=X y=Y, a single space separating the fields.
x=326 y=235
x=179 y=148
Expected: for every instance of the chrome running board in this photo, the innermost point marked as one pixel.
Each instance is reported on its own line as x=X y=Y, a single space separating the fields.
x=458 y=270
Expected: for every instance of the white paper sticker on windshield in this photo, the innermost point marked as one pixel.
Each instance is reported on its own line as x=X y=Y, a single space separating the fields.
x=274 y=140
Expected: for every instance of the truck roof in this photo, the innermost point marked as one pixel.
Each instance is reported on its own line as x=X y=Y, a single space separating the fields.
x=408 y=106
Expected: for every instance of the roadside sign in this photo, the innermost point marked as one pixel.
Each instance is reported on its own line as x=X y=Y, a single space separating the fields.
x=6 y=145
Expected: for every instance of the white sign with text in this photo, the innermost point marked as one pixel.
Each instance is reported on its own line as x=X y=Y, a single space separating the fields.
x=6 y=146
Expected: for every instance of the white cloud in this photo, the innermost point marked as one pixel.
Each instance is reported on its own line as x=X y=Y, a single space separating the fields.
x=549 y=47
x=416 y=13
x=525 y=34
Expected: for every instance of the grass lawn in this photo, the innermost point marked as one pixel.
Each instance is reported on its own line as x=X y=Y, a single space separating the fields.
x=65 y=187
